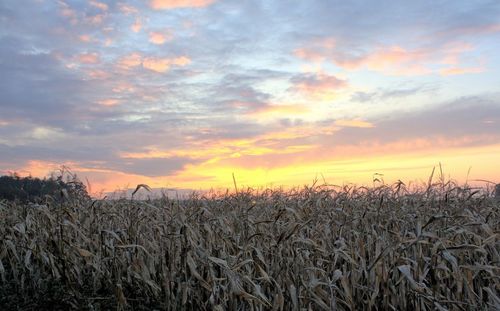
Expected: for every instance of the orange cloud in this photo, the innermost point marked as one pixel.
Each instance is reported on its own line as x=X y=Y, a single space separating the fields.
x=181 y=61
x=414 y=62
x=108 y=102
x=37 y=168
x=215 y=149
x=127 y=9
x=219 y=152
x=157 y=64
x=130 y=61
x=392 y=60
x=88 y=58
x=174 y=4
x=460 y=71
x=279 y=149
x=98 y=74
x=152 y=63
x=159 y=38
x=101 y=179
x=262 y=161
x=99 y=5
x=300 y=166
x=279 y=110
x=354 y=123
x=405 y=160
x=85 y=38
x=271 y=112
x=162 y=65
x=137 y=26
x=294 y=156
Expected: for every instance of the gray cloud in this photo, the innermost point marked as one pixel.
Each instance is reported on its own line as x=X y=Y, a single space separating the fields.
x=152 y=167
x=386 y=94
x=468 y=116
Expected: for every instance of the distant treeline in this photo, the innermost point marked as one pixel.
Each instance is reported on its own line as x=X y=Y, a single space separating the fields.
x=32 y=189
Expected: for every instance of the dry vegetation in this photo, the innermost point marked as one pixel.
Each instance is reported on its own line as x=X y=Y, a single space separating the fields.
x=317 y=248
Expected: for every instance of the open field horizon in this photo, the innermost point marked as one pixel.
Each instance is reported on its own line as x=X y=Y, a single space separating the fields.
x=346 y=173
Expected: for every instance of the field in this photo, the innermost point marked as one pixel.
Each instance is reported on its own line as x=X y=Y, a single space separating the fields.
x=316 y=248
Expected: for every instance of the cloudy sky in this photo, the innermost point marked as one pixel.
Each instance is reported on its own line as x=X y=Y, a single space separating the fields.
x=183 y=93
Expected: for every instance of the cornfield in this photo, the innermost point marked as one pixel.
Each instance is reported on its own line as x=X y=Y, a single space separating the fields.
x=315 y=248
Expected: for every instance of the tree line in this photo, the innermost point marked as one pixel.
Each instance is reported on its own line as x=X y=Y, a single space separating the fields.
x=33 y=189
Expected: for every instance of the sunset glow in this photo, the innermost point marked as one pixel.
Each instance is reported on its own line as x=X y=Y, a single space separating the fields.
x=185 y=93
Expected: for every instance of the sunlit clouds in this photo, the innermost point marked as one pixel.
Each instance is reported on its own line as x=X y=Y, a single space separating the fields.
x=184 y=93
x=88 y=58
x=172 y=4
x=159 y=38
x=130 y=60
x=100 y=5
x=157 y=64
x=318 y=86
x=443 y=59
x=137 y=25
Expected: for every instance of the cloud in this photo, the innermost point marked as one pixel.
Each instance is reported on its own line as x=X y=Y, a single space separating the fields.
x=100 y=5
x=160 y=38
x=108 y=102
x=408 y=135
x=46 y=133
x=162 y=65
x=29 y=96
x=471 y=30
x=463 y=117
x=95 y=20
x=393 y=59
x=181 y=61
x=460 y=71
x=88 y=58
x=137 y=25
x=130 y=61
x=363 y=97
x=354 y=123
x=429 y=130
x=85 y=38
x=66 y=11
x=28 y=134
x=278 y=110
x=174 y=4
x=98 y=74
x=382 y=94
x=127 y=9
x=317 y=85
x=151 y=167
x=157 y=64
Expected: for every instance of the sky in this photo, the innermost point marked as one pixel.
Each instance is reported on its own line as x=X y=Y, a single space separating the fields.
x=183 y=93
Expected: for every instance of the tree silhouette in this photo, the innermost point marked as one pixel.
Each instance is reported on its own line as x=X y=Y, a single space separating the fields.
x=32 y=189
